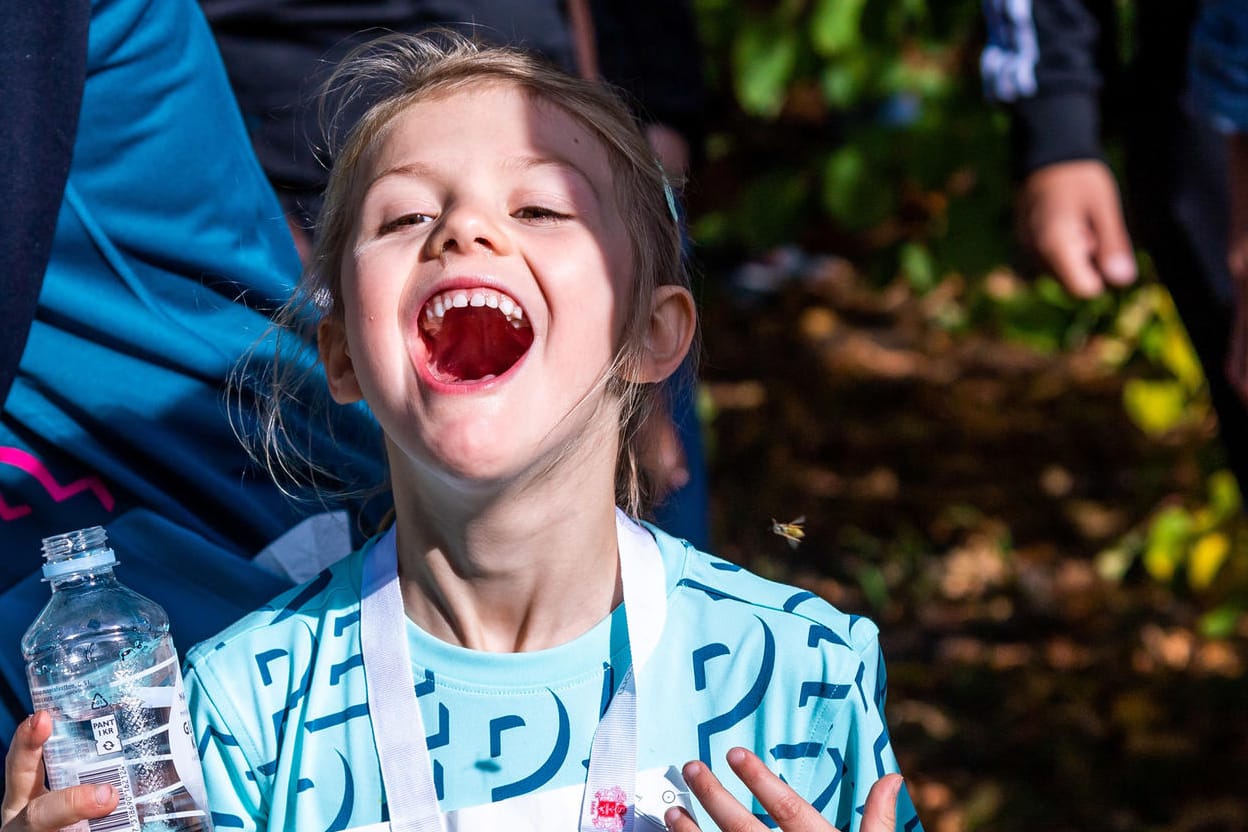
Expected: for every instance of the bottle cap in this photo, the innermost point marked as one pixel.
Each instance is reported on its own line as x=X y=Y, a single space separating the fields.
x=81 y=551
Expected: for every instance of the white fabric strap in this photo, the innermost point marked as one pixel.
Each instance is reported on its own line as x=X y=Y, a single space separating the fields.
x=645 y=588
x=610 y=790
x=398 y=727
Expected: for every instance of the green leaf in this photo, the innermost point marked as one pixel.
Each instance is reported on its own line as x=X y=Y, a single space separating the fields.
x=842 y=177
x=1224 y=496
x=1051 y=292
x=764 y=57
x=851 y=193
x=712 y=228
x=835 y=24
x=918 y=266
x=772 y=205
x=874 y=586
x=840 y=84
x=1167 y=542
x=1221 y=622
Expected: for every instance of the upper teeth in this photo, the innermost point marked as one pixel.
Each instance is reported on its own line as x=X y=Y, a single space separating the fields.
x=436 y=306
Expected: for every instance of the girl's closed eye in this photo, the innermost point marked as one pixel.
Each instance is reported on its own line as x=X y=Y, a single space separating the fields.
x=540 y=214
x=415 y=218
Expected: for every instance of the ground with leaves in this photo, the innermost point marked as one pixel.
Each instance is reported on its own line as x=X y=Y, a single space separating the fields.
x=992 y=506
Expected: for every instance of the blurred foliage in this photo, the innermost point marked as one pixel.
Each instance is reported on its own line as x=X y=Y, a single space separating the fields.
x=859 y=129
x=857 y=125
x=1018 y=485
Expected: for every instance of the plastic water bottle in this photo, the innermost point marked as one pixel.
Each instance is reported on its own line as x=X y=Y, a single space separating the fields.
x=99 y=658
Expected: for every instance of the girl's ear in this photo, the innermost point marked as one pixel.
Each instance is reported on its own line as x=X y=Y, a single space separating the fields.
x=331 y=341
x=673 y=319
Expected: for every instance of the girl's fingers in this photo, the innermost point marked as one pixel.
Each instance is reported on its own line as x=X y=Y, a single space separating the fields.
x=787 y=808
x=23 y=765
x=678 y=820
x=880 y=814
x=790 y=811
x=28 y=806
x=716 y=800
x=64 y=807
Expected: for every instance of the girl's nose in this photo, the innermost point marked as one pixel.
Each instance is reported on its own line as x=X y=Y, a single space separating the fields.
x=465 y=228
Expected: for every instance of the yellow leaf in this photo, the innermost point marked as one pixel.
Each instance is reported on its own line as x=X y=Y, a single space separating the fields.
x=1206 y=559
x=1179 y=357
x=1155 y=406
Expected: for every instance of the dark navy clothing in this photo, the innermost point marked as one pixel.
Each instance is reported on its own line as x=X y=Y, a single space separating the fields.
x=1219 y=65
x=42 y=66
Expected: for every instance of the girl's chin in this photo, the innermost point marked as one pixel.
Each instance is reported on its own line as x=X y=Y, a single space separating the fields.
x=475 y=472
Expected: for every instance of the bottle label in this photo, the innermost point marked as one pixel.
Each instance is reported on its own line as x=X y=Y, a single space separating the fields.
x=182 y=745
x=125 y=818
x=127 y=724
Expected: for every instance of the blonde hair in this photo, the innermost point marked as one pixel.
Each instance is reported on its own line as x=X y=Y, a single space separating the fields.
x=381 y=79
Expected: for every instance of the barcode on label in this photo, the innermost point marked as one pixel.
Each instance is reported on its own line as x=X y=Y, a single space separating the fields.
x=124 y=817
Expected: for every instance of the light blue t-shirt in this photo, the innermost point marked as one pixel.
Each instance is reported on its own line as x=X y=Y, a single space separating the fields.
x=280 y=706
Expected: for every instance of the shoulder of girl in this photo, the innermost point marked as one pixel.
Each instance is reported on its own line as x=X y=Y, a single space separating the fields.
x=712 y=580
x=291 y=616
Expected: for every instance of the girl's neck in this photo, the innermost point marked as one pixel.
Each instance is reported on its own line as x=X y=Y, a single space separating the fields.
x=512 y=574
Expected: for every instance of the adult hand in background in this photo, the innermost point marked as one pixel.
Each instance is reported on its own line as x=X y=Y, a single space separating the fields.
x=28 y=805
x=787 y=808
x=1069 y=214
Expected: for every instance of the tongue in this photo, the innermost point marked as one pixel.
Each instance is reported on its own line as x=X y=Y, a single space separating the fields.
x=475 y=343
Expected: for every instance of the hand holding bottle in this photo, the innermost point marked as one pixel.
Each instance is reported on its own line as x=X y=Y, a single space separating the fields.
x=104 y=677
x=28 y=805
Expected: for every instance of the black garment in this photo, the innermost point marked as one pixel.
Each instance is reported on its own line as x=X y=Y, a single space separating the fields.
x=43 y=65
x=650 y=50
x=278 y=53
x=1069 y=89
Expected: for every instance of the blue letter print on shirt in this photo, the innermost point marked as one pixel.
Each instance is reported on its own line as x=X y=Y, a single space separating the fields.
x=497 y=726
x=748 y=704
x=794 y=600
x=548 y=769
x=343 y=817
x=703 y=655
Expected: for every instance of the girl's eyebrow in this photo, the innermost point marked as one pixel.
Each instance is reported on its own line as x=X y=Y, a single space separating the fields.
x=413 y=169
x=526 y=162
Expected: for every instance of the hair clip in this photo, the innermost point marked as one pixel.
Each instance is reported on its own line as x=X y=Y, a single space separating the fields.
x=667 y=192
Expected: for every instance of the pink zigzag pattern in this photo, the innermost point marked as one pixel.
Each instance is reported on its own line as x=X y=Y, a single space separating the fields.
x=32 y=465
x=8 y=512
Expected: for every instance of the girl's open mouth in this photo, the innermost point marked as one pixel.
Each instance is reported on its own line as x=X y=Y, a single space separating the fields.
x=473 y=335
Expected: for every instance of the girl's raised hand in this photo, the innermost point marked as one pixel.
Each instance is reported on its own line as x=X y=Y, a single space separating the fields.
x=787 y=808
x=28 y=805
